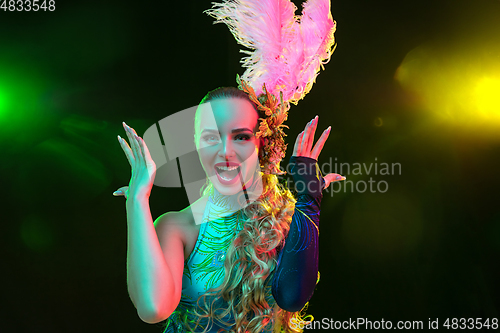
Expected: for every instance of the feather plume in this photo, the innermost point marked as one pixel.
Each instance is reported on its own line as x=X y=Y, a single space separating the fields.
x=317 y=30
x=285 y=54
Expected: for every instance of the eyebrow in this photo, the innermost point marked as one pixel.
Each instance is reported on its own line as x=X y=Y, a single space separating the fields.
x=236 y=130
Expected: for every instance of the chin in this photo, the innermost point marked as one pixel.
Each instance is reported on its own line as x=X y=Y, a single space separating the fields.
x=224 y=190
x=227 y=189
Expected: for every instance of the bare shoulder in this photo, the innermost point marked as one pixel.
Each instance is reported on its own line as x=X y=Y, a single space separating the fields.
x=169 y=220
x=181 y=225
x=170 y=226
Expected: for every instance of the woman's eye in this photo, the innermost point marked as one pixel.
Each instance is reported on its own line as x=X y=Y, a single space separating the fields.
x=210 y=138
x=245 y=137
x=215 y=138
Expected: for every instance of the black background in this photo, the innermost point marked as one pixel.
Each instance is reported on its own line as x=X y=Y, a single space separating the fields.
x=426 y=248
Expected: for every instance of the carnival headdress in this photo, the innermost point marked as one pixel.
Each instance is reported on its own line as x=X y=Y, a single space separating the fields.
x=287 y=52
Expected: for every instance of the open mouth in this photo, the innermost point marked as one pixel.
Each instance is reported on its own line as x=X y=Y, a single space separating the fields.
x=227 y=174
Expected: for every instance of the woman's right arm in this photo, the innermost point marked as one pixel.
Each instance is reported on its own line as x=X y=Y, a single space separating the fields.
x=155 y=261
x=155 y=251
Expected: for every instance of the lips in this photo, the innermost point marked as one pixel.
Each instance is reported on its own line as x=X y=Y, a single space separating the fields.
x=227 y=164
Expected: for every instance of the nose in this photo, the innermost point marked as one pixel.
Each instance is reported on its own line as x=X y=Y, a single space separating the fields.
x=227 y=150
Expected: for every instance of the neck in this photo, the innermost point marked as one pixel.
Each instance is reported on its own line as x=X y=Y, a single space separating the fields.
x=220 y=205
x=229 y=202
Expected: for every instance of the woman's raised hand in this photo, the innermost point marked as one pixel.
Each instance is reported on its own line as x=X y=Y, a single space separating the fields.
x=143 y=166
x=304 y=147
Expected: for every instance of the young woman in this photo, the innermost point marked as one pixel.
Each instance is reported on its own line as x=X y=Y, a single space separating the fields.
x=248 y=269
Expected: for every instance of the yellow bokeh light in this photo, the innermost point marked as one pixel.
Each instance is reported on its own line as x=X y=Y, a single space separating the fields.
x=487 y=95
x=456 y=86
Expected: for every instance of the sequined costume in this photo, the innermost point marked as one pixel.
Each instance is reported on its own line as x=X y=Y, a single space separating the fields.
x=296 y=274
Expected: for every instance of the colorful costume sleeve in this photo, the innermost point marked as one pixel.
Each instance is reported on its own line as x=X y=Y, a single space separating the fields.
x=297 y=271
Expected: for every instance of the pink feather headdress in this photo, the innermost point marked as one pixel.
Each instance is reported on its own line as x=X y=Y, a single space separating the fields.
x=287 y=52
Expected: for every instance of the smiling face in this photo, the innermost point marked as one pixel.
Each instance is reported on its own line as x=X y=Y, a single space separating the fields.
x=226 y=143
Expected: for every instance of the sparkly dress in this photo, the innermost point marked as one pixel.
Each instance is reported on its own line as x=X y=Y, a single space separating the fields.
x=297 y=261
x=204 y=269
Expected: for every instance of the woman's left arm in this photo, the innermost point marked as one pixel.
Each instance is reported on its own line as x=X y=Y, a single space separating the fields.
x=297 y=270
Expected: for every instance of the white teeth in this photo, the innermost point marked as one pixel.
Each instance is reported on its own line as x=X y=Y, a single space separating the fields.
x=221 y=176
x=227 y=168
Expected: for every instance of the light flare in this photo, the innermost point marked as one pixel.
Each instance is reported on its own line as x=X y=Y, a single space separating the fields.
x=457 y=86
